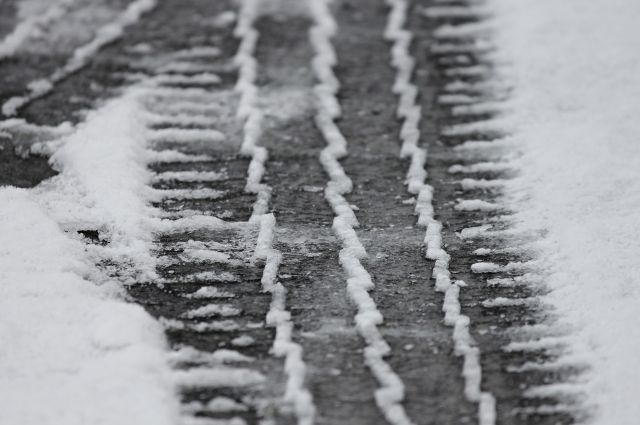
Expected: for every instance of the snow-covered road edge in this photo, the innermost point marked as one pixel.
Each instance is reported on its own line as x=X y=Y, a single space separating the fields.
x=575 y=68
x=72 y=346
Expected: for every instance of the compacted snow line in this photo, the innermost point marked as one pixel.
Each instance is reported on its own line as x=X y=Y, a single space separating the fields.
x=203 y=78
x=81 y=56
x=296 y=392
x=410 y=112
x=10 y=44
x=180 y=120
x=185 y=135
x=390 y=395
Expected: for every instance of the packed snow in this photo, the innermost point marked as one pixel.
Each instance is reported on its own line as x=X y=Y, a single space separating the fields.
x=575 y=67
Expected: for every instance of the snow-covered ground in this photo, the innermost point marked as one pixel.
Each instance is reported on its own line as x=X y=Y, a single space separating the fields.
x=575 y=67
x=72 y=346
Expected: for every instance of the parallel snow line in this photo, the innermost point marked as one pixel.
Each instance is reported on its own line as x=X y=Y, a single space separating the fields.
x=390 y=394
x=81 y=56
x=409 y=111
x=10 y=44
x=296 y=392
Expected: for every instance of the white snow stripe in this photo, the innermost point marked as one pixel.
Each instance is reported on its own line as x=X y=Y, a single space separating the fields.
x=27 y=28
x=218 y=377
x=390 y=394
x=493 y=126
x=482 y=167
x=204 y=78
x=199 y=52
x=187 y=354
x=210 y=310
x=81 y=56
x=416 y=176
x=190 y=176
x=186 y=67
x=296 y=392
x=474 y=184
x=201 y=327
x=186 y=135
x=216 y=405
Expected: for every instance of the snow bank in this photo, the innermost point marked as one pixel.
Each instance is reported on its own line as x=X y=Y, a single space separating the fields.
x=71 y=350
x=103 y=183
x=576 y=70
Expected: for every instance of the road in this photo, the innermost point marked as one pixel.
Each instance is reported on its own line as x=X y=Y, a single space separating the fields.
x=272 y=307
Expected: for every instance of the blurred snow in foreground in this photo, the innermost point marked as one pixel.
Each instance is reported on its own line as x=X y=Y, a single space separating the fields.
x=575 y=66
x=72 y=347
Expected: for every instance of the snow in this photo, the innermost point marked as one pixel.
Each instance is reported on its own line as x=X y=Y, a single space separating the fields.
x=210 y=310
x=416 y=177
x=217 y=377
x=30 y=25
x=81 y=55
x=390 y=394
x=575 y=67
x=72 y=348
x=103 y=183
x=187 y=135
x=208 y=292
x=278 y=317
x=217 y=404
x=190 y=176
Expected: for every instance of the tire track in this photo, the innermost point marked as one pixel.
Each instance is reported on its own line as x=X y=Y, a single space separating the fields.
x=278 y=317
x=390 y=393
x=341 y=386
x=522 y=349
x=410 y=111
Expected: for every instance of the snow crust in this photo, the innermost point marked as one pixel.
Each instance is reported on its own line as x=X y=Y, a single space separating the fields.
x=575 y=67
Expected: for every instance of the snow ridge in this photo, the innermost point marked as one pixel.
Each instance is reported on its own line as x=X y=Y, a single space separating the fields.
x=81 y=56
x=390 y=395
x=296 y=393
x=410 y=112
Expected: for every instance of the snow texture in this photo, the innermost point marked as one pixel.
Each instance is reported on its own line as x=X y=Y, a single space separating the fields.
x=103 y=184
x=575 y=67
x=31 y=25
x=81 y=56
x=71 y=347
